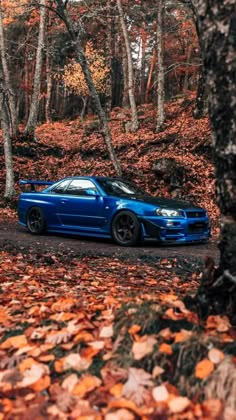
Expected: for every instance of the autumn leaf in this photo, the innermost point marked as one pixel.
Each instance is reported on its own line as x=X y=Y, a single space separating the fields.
x=76 y=362
x=70 y=382
x=57 y=337
x=160 y=393
x=65 y=401
x=182 y=335
x=117 y=390
x=3 y=315
x=17 y=342
x=157 y=371
x=215 y=356
x=106 y=331
x=85 y=385
x=63 y=304
x=121 y=414
x=32 y=375
x=165 y=348
x=143 y=347
x=135 y=387
x=178 y=404
x=203 y=369
x=213 y=408
x=134 y=329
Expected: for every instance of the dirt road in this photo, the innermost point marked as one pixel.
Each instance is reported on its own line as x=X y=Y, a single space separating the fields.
x=14 y=237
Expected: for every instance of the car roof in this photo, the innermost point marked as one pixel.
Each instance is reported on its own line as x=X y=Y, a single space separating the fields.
x=90 y=177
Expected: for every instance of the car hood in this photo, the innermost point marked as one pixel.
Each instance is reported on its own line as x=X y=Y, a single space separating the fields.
x=165 y=202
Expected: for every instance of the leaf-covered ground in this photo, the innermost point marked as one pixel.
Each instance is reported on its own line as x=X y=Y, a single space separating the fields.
x=100 y=338
x=63 y=150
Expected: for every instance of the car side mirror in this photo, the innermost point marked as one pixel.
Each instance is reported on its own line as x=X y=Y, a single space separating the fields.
x=90 y=191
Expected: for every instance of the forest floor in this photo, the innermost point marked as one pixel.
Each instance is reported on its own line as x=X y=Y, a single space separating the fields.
x=93 y=331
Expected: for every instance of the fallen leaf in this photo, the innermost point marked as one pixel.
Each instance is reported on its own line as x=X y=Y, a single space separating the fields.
x=122 y=414
x=134 y=329
x=160 y=393
x=182 y=335
x=203 y=369
x=63 y=304
x=144 y=347
x=42 y=384
x=213 y=408
x=57 y=337
x=116 y=390
x=70 y=382
x=76 y=362
x=16 y=341
x=157 y=371
x=215 y=356
x=165 y=348
x=32 y=375
x=86 y=384
x=134 y=387
x=178 y=404
x=106 y=331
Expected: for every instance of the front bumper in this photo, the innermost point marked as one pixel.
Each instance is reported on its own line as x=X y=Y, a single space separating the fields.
x=176 y=230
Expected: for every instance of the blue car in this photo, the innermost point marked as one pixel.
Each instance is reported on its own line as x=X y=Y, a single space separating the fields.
x=110 y=208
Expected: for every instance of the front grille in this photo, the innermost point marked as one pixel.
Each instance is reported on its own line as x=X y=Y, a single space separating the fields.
x=192 y=214
x=197 y=227
x=173 y=232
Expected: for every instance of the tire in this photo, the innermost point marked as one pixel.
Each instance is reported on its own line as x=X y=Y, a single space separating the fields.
x=125 y=228
x=36 y=222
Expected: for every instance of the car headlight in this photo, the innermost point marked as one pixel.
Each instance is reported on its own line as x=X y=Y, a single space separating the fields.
x=168 y=212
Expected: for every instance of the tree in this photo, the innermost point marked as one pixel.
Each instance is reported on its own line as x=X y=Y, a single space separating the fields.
x=9 y=187
x=216 y=28
x=109 y=53
x=74 y=78
x=6 y=75
x=34 y=106
x=160 y=68
x=201 y=96
x=133 y=107
x=82 y=60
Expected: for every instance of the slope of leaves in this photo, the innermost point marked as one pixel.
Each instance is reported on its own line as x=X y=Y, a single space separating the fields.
x=97 y=338
x=63 y=150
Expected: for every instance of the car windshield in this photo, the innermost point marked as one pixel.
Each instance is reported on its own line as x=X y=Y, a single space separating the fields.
x=120 y=187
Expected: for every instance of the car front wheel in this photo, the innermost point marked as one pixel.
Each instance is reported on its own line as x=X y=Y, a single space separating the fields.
x=36 y=222
x=125 y=228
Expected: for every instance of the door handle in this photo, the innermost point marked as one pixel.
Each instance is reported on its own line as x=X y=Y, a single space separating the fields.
x=64 y=201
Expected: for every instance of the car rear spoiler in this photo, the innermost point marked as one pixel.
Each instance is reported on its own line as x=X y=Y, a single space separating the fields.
x=32 y=183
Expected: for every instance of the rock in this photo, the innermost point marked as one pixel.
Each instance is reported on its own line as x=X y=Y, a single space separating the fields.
x=171 y=171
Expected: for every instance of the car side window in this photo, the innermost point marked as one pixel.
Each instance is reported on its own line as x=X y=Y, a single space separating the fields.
x=60 y=188
x=79 y=187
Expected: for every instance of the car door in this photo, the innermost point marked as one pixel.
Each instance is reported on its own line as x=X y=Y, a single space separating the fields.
x=78 y=208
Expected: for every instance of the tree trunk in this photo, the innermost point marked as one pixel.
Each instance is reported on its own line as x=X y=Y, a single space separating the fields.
x=130 y=69
x=82 y=114
x=9 y=90
x=109 y=50
x=143 y=62
x=186 y=76
x=9 y=186
x=81 y=58
x=26 y=82
x=160 y=68
x=125 y=97
x=34 y=106
x=217 y=23
x=49 y=87
x=200 y=110
x=149 y=81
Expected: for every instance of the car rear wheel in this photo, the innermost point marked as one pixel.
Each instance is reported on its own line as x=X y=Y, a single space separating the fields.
x=125 y=228
x=36 y=222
